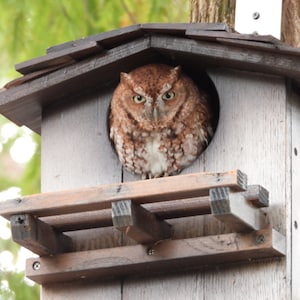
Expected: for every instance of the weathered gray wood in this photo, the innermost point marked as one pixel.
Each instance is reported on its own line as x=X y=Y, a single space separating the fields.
x=154 y=190
x=252 y=60
x=94 y=72
x=164 y=210
x=61 y=57
x=235 y=211
x=165 y=256
x=38 y=236
x=257 y=195
x=252 y=113
x=80 y=134
x=112 y=38
x=117 y=37
x=295 y=192
x=138 y=223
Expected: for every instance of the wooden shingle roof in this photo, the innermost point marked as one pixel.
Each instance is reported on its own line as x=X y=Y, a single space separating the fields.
x=96 y=61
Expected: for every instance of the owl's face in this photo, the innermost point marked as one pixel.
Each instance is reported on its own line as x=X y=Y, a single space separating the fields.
x=152 y=96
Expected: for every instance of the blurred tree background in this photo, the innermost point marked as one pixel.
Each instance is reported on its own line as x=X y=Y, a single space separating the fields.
x=27 y=29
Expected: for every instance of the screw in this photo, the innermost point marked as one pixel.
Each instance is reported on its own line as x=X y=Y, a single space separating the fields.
x=151 y=251
x=256 y=15
x=36 y=265
x=260 y=239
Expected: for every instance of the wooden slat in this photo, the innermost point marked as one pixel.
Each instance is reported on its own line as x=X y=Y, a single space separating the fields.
x=83 y=76
x=116 y=37
x=138 y=223
x=213 y=54
x=167 y=256
x=233 y=209
x=62 y=57
x=143 y=191
x=164 y=210
x=203 y=35
x=257 y=195
x=38 y=236
x=108 y=39
x=182 y=28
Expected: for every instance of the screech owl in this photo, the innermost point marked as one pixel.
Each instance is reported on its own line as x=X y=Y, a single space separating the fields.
x=159 y=120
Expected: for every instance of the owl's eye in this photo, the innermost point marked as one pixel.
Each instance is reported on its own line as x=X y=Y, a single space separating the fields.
x=168 y=95
x=138 y=99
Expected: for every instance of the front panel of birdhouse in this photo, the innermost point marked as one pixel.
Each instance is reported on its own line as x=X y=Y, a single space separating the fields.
x=250 y=136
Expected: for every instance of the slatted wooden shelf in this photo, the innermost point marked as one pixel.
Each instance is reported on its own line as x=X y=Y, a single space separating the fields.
x=140 y=210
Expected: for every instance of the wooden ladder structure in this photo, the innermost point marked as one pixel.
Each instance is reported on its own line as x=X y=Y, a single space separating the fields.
x=140 y=209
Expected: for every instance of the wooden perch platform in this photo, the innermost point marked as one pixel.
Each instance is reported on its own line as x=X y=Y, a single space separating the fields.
x=167 y=256
x=139 y=210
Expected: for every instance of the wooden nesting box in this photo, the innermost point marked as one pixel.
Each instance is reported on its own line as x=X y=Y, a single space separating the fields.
x=209 y=233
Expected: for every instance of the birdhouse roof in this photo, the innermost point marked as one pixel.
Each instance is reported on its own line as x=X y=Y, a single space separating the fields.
x=94 y=62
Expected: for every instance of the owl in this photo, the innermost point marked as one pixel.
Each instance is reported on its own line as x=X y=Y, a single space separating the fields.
x=159 y=120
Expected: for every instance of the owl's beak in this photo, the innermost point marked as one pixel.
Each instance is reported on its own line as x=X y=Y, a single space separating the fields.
x=155 y=114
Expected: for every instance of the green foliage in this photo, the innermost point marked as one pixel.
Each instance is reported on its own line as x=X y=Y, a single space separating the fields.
x=28 y=28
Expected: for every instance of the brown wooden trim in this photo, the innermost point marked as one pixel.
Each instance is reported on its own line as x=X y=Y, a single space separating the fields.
x=143 y=191
x=38 y=236
x=166 y=256
x=138 y=223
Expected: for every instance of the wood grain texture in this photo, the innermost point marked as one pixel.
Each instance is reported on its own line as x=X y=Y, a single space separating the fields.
x=252 y=113
x=80 y=134
x=235 y=211
x=95 y=198
x=295 y=192
x=38 y=236
x=138 y=223
x=166 y=256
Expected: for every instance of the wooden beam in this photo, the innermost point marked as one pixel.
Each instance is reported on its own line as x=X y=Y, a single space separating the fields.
x=167 y=256
x=138 y=223
x=210 y=53
x=233 y=209
x=102 y=218
x=142 y=191
x=257 y=195
x=59 y=58
x=38 y=236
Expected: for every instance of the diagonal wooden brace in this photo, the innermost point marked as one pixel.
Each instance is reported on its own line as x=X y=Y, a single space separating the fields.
x=233 y=209
x=38 y=236
x=138 y=223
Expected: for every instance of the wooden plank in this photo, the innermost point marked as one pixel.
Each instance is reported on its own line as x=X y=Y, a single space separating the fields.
x=116 y=37
x=183 y=28
x=257 y=195
x=142 y=191
x=203 y=35
x=108 y=39
x=61 y=130
x=163 y=210
x=167 y=256
x=138 y=223
x=295 y=192
x=232 y=57
x=38 y=236
x=62 y=57
x=98 y=71
x=235 y=211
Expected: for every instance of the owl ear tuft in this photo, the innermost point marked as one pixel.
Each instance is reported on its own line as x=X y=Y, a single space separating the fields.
x=125 y=78
x=176 y=72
